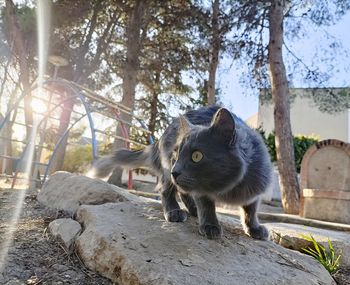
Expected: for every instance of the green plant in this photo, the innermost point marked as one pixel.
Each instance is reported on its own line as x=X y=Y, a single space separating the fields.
x=325 y=256
x=78 y=159
x=301 y=145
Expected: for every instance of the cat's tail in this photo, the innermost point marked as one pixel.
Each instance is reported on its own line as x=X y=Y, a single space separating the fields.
x=124 y=158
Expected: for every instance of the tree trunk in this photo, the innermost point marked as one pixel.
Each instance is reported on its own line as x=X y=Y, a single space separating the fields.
x=133 y=47
x=64 y=124
x=8 y=166
x=154 y=112
x=2 y=147
x=130 y=72
x=154 y=104
x=214 y=53
x=79 y=74
x=284 y=140
x=20 y=51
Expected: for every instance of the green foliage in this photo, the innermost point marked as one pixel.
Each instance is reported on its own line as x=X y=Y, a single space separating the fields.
x=26 y=18
x=327 y=100
x=325 y=256
x=270 y=143
x=331 y=100
x=78 y=159
x=301 y=145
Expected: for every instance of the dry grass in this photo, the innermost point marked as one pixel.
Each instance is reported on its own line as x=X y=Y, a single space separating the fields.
x=34 y=257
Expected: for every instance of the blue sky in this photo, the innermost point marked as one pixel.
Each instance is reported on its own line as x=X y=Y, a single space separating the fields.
x=232 y=93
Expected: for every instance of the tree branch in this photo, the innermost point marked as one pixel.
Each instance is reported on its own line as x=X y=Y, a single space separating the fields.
x=85 y=48
x=6 y=68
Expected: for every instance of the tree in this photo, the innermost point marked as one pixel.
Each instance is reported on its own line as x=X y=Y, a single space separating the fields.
x=17 y=69
x=98 y=21
x=164 y=59
x=6 y=132
x=155 y=57
x=279 y=85
x=211 y=27
x=104 y=41
x=253 y=19
x=215 y=44
x=81 y=32
x=135 y=25
x=16 y=36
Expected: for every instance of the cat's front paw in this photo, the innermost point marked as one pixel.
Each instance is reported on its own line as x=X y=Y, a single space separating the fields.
x=260 y=232
x=176 y=215
x=210 y=231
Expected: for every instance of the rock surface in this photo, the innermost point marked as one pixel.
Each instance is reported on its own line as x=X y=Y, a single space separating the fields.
x=65 y=230
x=289 y=236
x=66 y=191
x=131 y=243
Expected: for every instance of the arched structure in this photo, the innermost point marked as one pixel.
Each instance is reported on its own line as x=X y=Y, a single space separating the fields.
x=325 y=182
x=89 y=103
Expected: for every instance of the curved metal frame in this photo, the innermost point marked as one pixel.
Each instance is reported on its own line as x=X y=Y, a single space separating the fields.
x=87 y=109
x=23 y=154
x=76 y=94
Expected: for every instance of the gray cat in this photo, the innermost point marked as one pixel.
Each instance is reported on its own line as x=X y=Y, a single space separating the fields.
x=205 y=156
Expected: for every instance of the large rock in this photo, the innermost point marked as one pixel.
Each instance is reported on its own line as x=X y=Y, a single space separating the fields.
x=66 y=191
x=130 y=243
x=290 y=236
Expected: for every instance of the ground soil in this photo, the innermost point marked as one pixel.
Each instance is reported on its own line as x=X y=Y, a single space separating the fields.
x=342 y=276
x=34 y=257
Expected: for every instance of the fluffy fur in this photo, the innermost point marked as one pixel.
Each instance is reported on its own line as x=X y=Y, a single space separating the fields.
x=205 y=156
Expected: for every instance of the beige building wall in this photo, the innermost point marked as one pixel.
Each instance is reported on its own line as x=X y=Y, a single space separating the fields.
x=306 y=119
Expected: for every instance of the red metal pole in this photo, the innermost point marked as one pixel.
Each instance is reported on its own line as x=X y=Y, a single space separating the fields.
x=130 y=180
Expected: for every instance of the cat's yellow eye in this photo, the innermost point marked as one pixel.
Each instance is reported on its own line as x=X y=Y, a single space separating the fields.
x=197 y=156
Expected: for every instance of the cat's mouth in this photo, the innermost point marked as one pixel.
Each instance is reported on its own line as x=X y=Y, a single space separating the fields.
x=184 y=184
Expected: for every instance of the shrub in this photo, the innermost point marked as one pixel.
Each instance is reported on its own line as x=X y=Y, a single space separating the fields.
x=78 y=159
x=301 y=145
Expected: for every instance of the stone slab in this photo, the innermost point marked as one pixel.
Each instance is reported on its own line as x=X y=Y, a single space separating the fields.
x=66 y=191
x=131 y=243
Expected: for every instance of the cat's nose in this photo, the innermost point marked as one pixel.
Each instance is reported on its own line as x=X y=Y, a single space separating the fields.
x=175 y=174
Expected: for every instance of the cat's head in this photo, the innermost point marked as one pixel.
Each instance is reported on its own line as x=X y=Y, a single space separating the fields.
x=205 y=158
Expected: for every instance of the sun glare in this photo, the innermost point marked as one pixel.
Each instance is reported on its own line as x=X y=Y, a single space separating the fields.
x=38 y=106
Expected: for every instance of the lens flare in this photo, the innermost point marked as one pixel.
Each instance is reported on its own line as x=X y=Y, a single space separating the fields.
x=38 y=106
x=43 y=13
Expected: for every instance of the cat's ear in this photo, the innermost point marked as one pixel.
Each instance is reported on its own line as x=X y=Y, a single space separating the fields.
x=224 y=125
x=184 y=125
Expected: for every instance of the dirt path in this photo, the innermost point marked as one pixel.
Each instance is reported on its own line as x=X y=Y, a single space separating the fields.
x=34 y=257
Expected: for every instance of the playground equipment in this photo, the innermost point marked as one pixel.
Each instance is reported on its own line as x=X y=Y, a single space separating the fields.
x=85 y=104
